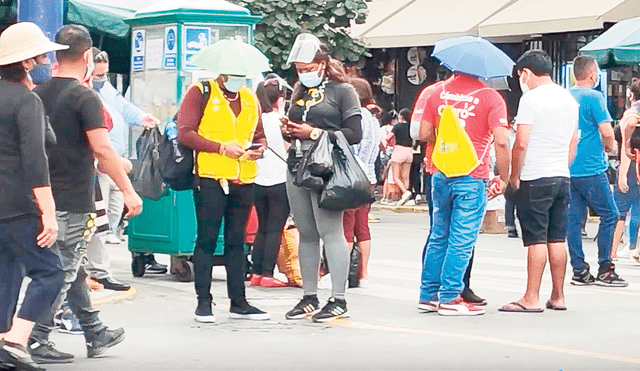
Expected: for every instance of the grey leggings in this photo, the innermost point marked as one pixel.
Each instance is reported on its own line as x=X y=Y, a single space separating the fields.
x=314 y=224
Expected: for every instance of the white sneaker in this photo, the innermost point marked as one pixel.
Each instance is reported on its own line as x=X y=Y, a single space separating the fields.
x=325 y=282
x=624 y=253
x=364 y=283
x=459 y=307
x=428 y=307
x=410 y=203
x=404 y=198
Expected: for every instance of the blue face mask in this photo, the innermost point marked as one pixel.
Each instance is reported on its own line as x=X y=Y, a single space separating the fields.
x=234 y=83
x=310 y=79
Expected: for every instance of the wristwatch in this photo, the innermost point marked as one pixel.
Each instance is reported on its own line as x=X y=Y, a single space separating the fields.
x=315 y=133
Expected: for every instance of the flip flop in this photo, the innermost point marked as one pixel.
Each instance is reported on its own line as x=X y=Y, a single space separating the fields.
x=517 y=307
x=554 y=307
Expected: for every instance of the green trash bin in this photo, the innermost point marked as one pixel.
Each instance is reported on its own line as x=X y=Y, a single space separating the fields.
x=168 y=226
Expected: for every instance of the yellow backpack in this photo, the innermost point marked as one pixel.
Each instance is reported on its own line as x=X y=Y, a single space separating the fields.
x=453 y=151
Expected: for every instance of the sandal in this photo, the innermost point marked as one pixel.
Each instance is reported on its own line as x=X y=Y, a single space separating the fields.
x=552 y=306
x=517 y=307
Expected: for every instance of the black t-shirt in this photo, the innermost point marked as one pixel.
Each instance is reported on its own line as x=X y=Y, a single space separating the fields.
x=23 y=162
x=330 y=109
x=403 y=135
x=72 y=110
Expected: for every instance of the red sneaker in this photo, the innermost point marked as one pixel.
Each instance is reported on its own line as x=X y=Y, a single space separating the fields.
x=459 y=307
x=272 y=282
x=255 y=280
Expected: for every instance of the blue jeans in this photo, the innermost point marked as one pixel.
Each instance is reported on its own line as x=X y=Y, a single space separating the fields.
x=458 y=208
x=629 y=205
x=591 y=191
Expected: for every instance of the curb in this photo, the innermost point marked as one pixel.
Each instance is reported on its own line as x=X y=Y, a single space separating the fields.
x=116 y=297
x=400 y=209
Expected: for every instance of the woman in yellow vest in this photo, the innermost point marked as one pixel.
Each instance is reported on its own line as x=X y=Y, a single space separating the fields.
x=322 y=101
x=227 y=138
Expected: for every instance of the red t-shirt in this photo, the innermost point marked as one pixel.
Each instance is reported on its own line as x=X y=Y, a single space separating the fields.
x=480 y=109
x=418 y=114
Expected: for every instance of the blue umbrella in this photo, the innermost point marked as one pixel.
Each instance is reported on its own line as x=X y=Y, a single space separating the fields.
x=474 y=56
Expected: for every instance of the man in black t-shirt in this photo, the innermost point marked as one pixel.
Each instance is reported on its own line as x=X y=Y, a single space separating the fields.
x=76 y=115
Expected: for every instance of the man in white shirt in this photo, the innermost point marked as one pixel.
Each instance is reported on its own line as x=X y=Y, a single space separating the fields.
x=123 y=114
x=545 y=144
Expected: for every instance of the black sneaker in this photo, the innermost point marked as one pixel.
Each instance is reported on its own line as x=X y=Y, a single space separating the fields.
x=334 y=309
x=98 y=343
x=153 y=266
x=17 y=356
x=204 y=313
x=608 y=277
x=308 y=306
x=513 y=233
x=470 y=297
x=241 y=309
x=583 y=278
x=46 y=353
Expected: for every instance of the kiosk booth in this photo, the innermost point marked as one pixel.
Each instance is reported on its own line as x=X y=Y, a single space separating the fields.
x=164 y=38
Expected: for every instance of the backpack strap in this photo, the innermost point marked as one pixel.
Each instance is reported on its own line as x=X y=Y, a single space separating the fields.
x=206 y=94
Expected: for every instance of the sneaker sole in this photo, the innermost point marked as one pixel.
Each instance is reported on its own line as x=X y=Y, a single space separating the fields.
x=100 y=351
x=252 y=317
x=605 y=284
x=578 y=283
x=49 y=361
x=205 y=319
x=329 y=319
x=453 y=313
x=71 y=332
x=427 y=308
x=302 y=316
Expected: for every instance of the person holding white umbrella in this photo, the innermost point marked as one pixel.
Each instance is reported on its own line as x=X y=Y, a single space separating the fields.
x=227 y=137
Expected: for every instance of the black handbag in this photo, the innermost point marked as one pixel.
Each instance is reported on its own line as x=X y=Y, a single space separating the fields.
x=147 y=181
x=348 y=186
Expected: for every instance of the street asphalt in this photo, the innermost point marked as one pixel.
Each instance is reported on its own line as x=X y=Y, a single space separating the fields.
x=599 y=331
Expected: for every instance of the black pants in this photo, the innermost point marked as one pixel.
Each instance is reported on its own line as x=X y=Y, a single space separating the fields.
x=414 y=174
x=20 y=255
x=272 y=207
x=212 y=205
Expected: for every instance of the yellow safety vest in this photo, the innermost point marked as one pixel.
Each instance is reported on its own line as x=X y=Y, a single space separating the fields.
x=219 y=124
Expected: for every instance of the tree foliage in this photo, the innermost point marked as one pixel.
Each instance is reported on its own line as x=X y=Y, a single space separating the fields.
x=329 y=20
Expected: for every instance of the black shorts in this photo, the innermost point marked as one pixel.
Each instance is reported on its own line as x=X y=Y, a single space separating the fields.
x=542 y=210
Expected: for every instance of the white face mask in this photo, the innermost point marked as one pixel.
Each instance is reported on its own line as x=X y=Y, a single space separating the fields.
x=523 y=85
x=90 y=68
x=596 y=83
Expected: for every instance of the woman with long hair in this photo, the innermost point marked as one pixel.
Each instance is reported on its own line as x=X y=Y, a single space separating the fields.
x=28 y=226
x=402 y=155
x=272 y=205
x=356 y=222
x=322 y=101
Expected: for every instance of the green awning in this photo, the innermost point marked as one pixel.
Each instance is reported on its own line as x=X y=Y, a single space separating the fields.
x=105 y=18
x=618 y=45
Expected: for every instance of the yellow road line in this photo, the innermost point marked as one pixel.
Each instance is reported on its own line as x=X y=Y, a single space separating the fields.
x=488 y=339
x=116 y=297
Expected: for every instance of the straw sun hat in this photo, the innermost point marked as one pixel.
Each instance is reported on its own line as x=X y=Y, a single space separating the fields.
x=23 y=41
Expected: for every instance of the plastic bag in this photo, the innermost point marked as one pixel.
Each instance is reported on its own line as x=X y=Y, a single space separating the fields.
x=288 y=262
x=320 y=160
x=348 y=187
x=147 y=180
x=354 y=267
x=303 y=177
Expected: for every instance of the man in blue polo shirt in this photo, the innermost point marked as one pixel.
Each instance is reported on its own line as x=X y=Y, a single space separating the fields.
x=589 y=182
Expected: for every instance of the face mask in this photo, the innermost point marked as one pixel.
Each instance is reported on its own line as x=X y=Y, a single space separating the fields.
x=234 y=83
x=523 y=86
x=90 y=68
x=41 y=73
x=98 y=83
x=310 y=79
